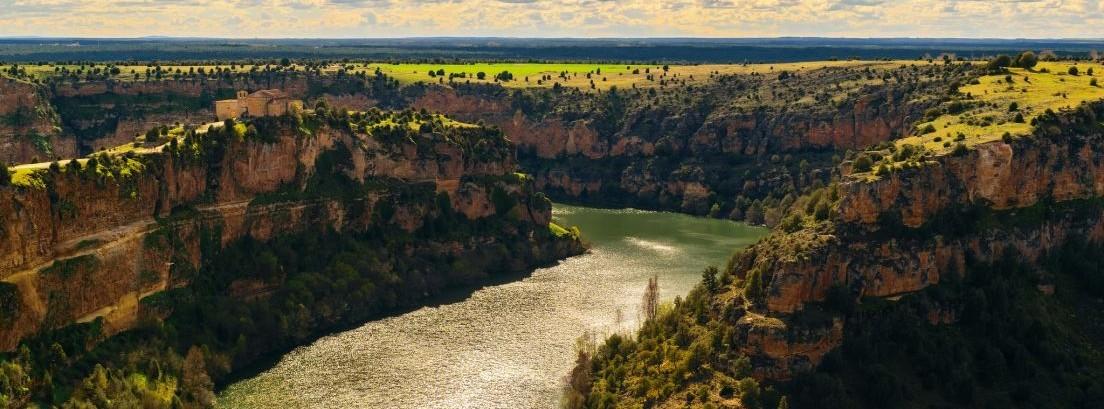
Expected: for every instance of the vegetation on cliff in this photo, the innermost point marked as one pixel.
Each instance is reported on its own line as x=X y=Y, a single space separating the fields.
x=981 y=296
x=344 y=243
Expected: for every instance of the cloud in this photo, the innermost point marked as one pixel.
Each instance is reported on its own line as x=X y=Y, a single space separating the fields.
x=554 y=18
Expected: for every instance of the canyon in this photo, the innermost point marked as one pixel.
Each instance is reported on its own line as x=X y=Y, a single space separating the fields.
x=778 y=148
x=100 y=244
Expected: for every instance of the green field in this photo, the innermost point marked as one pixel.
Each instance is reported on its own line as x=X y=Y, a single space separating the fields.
x=525 y=75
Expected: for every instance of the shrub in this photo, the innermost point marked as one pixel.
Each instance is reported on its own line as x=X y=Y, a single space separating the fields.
x=999 y=62
x=863 y=164
x=791 y=224
x=960 y=149
x=1093 y=83
x=927 y=129
x=1013 y=107
x=822 y=211
x=1073 y=70
x=1027 y=60
x=883 y=169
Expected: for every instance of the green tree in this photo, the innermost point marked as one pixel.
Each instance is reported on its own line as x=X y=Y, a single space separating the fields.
x=1001 y=61
x=709 y=279
x=1027 y=60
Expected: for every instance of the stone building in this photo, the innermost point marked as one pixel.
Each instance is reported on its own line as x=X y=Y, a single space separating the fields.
x=268 y=102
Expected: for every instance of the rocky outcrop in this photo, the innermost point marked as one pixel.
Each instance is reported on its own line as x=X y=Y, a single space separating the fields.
x=600 y=148
x=901 y=232
x=65 y=118
x=91 y=244
x=28 y=127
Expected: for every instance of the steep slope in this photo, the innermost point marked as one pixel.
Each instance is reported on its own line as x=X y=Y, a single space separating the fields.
x=163 y=246
x=28 y=124
x=732 y=146
x=964 y=245
x=740 y=145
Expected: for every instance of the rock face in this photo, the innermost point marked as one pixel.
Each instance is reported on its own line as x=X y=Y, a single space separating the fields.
x=90 y=245
x=28 y=126
x=712 y=146
x=64 y=119
x=905 y=231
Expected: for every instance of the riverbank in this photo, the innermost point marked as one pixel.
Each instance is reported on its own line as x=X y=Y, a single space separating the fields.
x=505 y=345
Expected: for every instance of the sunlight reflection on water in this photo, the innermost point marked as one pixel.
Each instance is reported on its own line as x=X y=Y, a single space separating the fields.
x=505 y=346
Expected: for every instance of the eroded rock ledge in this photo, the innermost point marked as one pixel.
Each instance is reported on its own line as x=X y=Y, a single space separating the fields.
x=901 y=232
x=81 y=244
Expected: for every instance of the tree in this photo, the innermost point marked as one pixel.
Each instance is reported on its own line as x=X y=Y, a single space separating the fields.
x=649 y=304
x=1073 y=70
x=5 y=174
x=709 y=279
x=196 y=383
x=1027 y=60
x=999 y=62
x=481 y=75
x=285 y=62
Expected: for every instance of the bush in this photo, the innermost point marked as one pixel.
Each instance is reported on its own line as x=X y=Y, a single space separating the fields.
x=998 y=63
x=791 y=224
x=1027 y=60
x=960 y=149
x=822 y=211
x=1073 y=71
x=863 y=164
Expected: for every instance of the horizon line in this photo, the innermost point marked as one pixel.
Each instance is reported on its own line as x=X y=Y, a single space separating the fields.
x=168 y=37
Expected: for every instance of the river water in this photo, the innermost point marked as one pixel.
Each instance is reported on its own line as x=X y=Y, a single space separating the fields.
x=505 y=346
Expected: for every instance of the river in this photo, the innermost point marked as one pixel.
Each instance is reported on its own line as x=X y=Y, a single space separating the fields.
x=505 y=346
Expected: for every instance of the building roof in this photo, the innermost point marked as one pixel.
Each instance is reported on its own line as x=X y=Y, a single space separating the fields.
x=269 y=93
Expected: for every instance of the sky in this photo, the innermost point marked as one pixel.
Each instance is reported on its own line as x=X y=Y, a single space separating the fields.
x=548 y=18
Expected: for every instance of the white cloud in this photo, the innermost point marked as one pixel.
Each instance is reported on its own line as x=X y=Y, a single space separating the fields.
x=564 y=18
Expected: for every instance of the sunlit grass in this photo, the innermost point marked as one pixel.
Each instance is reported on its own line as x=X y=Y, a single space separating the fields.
x=526 y=75
x=604 y=76
x=1034 y=92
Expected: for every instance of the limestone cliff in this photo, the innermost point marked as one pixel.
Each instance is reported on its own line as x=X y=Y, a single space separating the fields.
x=92 y=242
x=62 y=118
x=28 y=125
x=730 y=142
x=901 y=232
